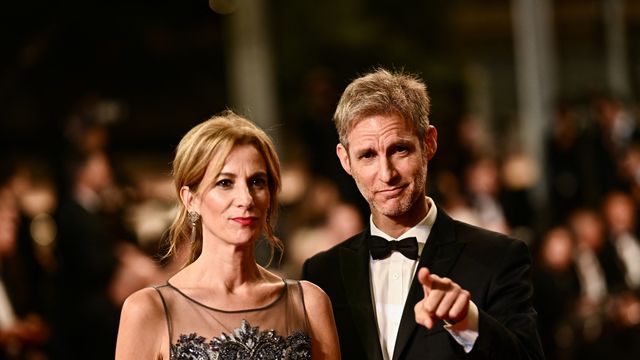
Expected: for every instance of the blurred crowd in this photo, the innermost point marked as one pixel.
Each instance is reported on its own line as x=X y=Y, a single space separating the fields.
x=68 y=253
x=587 y=258
x=584 y=235
x=82 y=230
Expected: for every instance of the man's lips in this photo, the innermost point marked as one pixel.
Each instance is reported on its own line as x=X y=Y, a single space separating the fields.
x=245 y=221
x=392 y=191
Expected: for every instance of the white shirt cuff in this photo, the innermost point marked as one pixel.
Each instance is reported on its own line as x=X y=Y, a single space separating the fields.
x=465 y=332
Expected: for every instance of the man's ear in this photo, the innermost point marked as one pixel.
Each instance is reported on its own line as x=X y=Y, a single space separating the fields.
x=343 y=155
x=431 y=141
x=189 y=199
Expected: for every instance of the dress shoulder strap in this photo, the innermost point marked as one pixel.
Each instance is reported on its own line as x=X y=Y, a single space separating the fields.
x=294 y=287
x=166 y=311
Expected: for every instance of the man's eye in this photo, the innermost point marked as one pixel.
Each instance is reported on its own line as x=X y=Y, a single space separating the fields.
x=366 y=155
x=401 y=149
x=224 y=183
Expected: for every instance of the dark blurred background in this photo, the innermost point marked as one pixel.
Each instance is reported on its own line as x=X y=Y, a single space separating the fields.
x=535 y=101
x=167 y=64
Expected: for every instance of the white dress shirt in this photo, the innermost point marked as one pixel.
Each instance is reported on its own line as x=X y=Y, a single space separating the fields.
x=590 y=275
x=628 y=250
x=391 y=278
x=7 y=316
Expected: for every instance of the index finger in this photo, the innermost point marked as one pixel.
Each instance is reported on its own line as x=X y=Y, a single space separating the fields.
x=424 y=277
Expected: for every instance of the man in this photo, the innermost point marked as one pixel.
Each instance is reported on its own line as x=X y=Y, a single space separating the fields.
x=86 y=252
x=460 y=292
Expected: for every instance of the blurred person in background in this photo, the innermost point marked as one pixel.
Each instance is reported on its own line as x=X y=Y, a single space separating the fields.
x=617 y=123
x=24 y=332
x=602 y=288
x=86 y=317
x=598 y=267
x=472 y=140
x=330 y=221
x=621 y=217
x=630 y=167
x=498 y=194
x=450 y=195
x=97 y=267
x=483 y=187
x=519 y=175
x=564 y=163
x=99 y=259
x=556 y=292
x=603 y=144
x=222 y=304
x=416 y=283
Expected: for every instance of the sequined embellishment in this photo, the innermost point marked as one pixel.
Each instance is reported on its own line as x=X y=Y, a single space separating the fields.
x=246 y=342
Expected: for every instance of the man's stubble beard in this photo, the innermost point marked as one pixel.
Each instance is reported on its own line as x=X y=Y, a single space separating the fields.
x=406 y=202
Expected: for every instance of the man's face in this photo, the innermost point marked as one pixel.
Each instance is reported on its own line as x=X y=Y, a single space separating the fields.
x=388 y=161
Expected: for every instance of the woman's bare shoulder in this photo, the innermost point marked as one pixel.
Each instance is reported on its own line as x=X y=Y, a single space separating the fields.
x=314 y=296
x=143 y=327
x=322 y=325
x=144 y=305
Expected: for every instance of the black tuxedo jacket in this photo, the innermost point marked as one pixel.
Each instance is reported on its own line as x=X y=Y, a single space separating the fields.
x=494 y=268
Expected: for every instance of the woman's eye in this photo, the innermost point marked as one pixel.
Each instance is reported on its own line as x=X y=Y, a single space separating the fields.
x=259 y=182
x=224 y=183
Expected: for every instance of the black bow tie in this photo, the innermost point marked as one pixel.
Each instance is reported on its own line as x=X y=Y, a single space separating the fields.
x=380 y=248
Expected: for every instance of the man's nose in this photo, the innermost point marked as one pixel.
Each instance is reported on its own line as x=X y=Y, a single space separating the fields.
x=387 y=169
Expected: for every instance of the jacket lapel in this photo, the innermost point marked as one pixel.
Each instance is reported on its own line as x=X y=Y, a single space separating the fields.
x=354 y=261
x=439 y=255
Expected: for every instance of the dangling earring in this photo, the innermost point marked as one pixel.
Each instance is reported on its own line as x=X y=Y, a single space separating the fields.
x=193 y=218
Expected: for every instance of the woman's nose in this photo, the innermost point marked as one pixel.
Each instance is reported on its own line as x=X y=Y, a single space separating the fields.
x=244 y=196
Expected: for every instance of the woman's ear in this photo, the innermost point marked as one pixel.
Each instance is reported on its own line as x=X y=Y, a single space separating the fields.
x=189 y=199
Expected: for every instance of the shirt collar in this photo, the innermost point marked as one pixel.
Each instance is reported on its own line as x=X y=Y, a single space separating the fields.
x=420 y=231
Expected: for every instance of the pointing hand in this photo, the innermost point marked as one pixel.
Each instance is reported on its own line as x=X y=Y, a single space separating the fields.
x=443 y=300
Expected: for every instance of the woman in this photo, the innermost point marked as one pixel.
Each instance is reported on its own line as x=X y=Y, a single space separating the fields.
x=223 y=305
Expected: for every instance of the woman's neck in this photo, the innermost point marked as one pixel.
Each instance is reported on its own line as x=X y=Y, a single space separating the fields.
x=228 y=268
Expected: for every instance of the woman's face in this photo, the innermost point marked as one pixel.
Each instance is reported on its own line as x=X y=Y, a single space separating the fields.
x=234 y=207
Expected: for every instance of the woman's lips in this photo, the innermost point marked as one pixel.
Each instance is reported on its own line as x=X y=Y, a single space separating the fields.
x=245 y=221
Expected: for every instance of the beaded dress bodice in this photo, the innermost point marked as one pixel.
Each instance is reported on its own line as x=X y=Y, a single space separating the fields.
x=278 y=330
